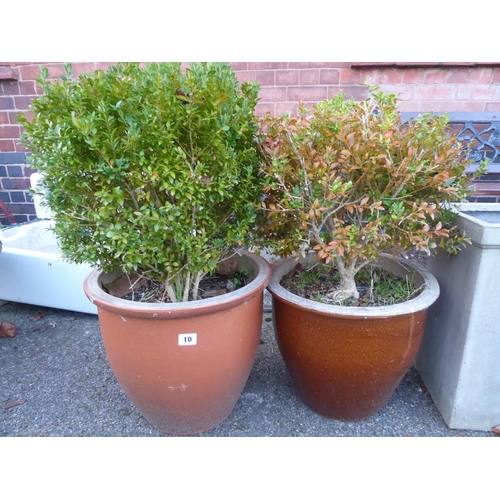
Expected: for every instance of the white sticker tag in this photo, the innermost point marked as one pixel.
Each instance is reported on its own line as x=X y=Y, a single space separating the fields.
x=188 y=338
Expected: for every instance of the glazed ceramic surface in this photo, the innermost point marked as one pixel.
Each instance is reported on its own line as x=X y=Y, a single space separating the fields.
x=346 y=362
x=184 y=365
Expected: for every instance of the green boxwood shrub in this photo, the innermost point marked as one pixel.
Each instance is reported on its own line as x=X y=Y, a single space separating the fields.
x=149 y=169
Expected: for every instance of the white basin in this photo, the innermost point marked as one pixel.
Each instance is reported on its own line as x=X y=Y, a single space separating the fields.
x=32 y=270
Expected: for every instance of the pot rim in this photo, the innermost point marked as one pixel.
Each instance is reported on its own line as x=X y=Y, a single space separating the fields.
x=162 y=310
x=427 y=297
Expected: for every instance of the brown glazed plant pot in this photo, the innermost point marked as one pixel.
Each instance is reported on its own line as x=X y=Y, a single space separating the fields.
x=183 y=365
x=346 y=362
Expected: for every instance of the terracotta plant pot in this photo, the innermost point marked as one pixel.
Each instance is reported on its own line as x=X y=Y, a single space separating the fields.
x=346 y=362
x=183 y=365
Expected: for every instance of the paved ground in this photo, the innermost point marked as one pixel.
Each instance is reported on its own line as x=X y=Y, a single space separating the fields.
x=55 y=381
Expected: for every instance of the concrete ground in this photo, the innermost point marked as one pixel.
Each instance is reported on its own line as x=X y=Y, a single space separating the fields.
x=55 y=381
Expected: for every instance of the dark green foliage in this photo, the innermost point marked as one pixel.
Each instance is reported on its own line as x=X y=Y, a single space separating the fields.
x=149 y=170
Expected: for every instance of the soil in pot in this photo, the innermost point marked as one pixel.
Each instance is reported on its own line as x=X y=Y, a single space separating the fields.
x=135 y=287
x=376 y=286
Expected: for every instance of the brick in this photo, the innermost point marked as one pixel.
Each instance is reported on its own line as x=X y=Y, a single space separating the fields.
x=496 y=76
x=28 y=171
x=13 y=117
x=358 y=92
x=453 y=106
x=22 y=102
x=283 y=108
x=436 y=75
x=329 y=76
x=19 y=147
x=22 y=208
x=309 y=105
x=287 y=77
x=259 y=65
x=272 y=94
x=78 y=68
x=15 y=171
x=492 y=107
x=434 y=92
x=27 y=88
x=7 y=145
x=359 y=76
x=279 y=65
x=264 y=107
x=349 y=76
x=38 y=89
x=5 y=197
x=413 y=76
x=55 y=70
x=3 y=171
x=22 y=218
x=7 y=73
x=458 y=75
x=17 y=197
x=472 y=106
x=305 y=65
x=15 y=183
x=4 y=118
x=306 y=93
x=405 y=92
x=393 y=76
x=418 y=107
x=10 y=131
x=105 y=65
x=9 y=88
x=6 y=103
x=265 y=77
x=239 y=66
x=481 y=75
x=432 y=106
x=309 y=77
x=12 y=158
x=373 y=76
x=478 y=92
x=30 y=72
x=245 y=76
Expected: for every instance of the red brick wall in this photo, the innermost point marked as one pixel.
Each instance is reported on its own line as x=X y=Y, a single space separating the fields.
x=422 y=87
x=441 y=87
